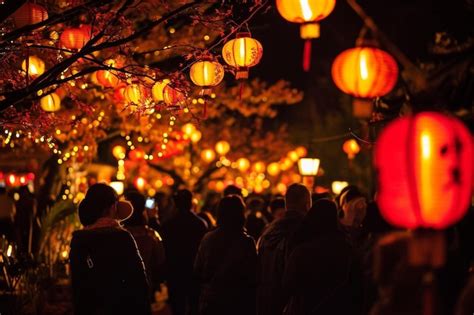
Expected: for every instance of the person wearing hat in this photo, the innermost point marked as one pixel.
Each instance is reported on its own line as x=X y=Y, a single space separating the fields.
x=108 y=276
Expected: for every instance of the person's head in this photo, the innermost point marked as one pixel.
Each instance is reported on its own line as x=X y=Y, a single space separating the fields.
x=100 y=201
x=298 y=198
x=354 y=208
x=343 y=190
x=138 y=203
x=183 y=199
x=277 y=208
x=232 y=190
x=317 y=196
x=255 y=204
x=230 y=212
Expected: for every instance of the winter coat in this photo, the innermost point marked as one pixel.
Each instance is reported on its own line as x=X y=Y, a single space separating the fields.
x=108 y=276
x=273 y=251
x=151 y=249
x=323 y=276
x=225 y=267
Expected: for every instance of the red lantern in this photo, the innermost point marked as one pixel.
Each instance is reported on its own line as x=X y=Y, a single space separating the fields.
x=29 y=14
x=365 y=73
x=173 y=97
x=75 y=38
x=425 y=171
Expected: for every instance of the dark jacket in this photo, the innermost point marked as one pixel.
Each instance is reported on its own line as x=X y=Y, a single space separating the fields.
x=226 y=270
x=107 y=272
x=151 y=249
x=273 y=252
x=322 y=277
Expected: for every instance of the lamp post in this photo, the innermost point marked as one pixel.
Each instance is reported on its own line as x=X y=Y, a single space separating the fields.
x=308 y=168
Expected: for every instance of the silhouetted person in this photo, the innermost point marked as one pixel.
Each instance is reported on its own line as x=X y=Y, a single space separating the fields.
x=7 y=215
x=181 y=237
x=277 y=208
x=255 y=220
x=108 y=276
x=322 y=275
x=226 y=264
x=232 y=190
x=25 y=219
x=273 y=250
x=148 y=241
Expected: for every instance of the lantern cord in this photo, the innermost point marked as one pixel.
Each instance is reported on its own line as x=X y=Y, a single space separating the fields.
x=352 y=133
x=307 y=55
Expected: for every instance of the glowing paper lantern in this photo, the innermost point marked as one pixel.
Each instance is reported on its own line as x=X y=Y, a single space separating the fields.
x=50 y=102
x=118 y=186
x=206 y=74
x=222 y=147
x=351 y=148
x=273 y=169
x=338 y=186
x=157 y=91
x=134 y=94
x=118 y=152
x=35 y=66
x=140 y=183
x=208 y=155
x=29 y=14
x=173 y=97
x=308 y=166
x=307 y=13
x=243 y=164
x=242 y=53
x=301 y=151
x=425 y=169
x=294 y=156
x=108 y=78
x=365 y=73
x=74 y=38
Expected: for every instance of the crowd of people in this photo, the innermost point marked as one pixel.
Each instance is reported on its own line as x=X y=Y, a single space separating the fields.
x=300 y=253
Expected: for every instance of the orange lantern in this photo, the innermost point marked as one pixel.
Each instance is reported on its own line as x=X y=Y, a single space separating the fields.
x=134 y=94
x=34 y=66
x=50 y=102
x=173 y=97
x=108 y=78
x=308 y=14
x=425 y=170
x=301 y=151
x=351 y=148
x=140 y=183
x=273 y=169
x=242 y=53
x=157 y=91
x=206 y=74
x=208 y=155
x=74 y=38
x=29 y=14
x=118 y=152
x=259 y=167
x=222 y=147
x=243 y=164
x=365 y=73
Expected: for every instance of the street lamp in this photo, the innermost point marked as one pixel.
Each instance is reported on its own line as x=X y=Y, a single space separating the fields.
x=308 y=168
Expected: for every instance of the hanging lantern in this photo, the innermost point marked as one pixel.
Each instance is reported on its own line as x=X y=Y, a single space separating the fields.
x=351 y=148
x=364 y=72
x=273 y=169
x=338 y=186
x=157 y=91
x=308 y=166
x=308 y=14
x=50 y=102
x=74 y=38
x=301 y=151
x=206 y=74
x=293 y=155
x=29 y=14
x=134 y=94
x=222 y=147
x=35 y=66
x=286 y=164
x=118 y=152
x=208 y=155
x=425 y=170
x=243 y=164
x=173 y=97
x=242 y=53
x=108 y=78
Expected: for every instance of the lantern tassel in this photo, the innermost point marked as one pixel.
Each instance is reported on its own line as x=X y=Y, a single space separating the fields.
x=307 y=55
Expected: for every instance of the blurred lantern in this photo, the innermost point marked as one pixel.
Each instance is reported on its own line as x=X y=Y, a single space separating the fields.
x=242 y=53
x=11 y=180
x=208 y=155
x=308 y=166
x=188 y=129
x=22 y=180
x=173 y=97
x=34 y=66
x=136 y=154
x=108 y=78
x=351 y=148
x=74 y=38
x=307 y=13
x=118 y=152
x=134 y=94
x=140 y=183
x=243 y=164
x=259 y=167
x=222 y=147
x=220 y=186
x=195 y=136
x=206 y=74
x=425 y=170
x=338 y=186
x=28 y=14
x=301 y=151
x=157 y=91
x=293 y=155
x=273 y=169
x=286 y=164
x=118 y=186
x=281 y=188
x=50 y=102
x=364 y=72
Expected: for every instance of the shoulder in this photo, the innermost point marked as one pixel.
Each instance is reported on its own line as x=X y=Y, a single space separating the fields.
x=153 y=234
